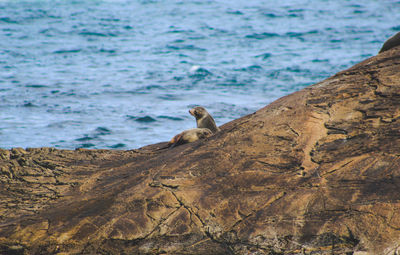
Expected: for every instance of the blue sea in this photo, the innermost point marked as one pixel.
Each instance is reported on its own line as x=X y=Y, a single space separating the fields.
x=123 y=74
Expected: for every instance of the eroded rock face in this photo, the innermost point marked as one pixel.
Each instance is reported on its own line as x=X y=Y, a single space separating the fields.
x=317 y=172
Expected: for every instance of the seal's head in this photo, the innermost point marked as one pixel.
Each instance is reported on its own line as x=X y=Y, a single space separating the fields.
x=204 y=119
x=204 y=133
x=198 y=112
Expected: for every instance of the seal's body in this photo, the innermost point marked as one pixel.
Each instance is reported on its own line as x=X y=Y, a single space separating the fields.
x=204 y=119
x=391 y=43
x=190 y=135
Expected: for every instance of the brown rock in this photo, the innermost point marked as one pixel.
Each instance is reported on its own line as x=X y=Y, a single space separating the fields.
x=317 y=172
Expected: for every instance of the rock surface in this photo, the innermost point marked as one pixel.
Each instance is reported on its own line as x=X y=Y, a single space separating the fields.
x=315 y=172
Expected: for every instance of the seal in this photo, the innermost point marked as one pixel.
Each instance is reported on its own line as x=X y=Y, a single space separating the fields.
x=189 y=136
x=391 y=43
x=204 y=119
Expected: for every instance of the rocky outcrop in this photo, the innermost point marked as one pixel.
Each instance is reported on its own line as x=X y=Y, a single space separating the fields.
x=315 y=172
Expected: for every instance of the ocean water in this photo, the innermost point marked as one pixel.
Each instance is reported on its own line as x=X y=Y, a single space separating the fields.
x=123 y=74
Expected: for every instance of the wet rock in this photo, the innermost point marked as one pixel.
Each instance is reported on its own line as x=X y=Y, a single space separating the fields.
x=315 y=172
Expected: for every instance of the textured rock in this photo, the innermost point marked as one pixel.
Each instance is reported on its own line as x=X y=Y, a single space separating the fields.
x=315 y=172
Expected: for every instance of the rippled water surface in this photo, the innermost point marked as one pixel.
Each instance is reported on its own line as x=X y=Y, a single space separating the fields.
x=123 y=74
